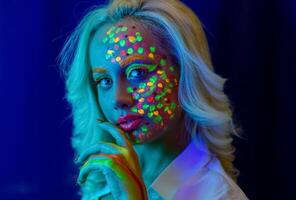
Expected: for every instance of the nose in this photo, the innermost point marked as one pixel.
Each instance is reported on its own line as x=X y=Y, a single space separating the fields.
x=123 y=99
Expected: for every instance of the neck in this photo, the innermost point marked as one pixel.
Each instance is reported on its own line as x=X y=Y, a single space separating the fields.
x=155 y=156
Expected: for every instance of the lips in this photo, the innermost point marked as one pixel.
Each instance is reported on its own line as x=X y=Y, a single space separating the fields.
x=129 y=122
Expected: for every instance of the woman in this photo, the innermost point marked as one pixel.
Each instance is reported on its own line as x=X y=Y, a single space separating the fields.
x=151 y=120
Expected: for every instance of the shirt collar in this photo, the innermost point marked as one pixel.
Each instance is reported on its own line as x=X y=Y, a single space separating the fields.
x=192 y=159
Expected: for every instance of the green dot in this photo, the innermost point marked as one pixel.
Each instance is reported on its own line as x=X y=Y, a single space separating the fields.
x=152 y=87
x=122 y=43
x=129 y=89
x=144 y=128
x=162 y=62
x=142 y=85
x=172 y=115
x=153 y=79
x=157 y=98
x=150 y=114
x=111 y=35
x=130 y=50
x=145 y=106
x=124 y=29
x=138 y=33
x=135 y=110
x=152 y=108
x=105 y=39
x=166 y=109
x=137 y=96
x=140 y=50
x=158 y=118
x=170 y=85
x=172 y=68
x=139 y=38
x=159 y=106
x=152 y=49
x=173 y=105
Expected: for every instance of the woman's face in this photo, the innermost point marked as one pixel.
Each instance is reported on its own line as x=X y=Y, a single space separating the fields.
x=137 y=81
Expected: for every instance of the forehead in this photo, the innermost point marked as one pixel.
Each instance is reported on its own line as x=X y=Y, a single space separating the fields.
x=112 y=43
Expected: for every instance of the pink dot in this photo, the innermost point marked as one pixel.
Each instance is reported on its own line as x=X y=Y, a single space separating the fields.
x=123 y=53
x=136 y=46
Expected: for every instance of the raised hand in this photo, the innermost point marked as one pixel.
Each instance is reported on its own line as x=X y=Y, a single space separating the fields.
x=118 y=162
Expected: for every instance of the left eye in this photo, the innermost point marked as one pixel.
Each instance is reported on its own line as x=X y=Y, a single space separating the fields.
x=137 y=73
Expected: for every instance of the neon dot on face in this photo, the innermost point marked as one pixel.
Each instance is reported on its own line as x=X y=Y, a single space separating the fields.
x=139 y=38
x=152 y=49
x=118 y=58
x=140 y=50
x=130 y=50
x=132 y=39
x=151 y=55
x=123 y=29
x=116 y=39
x=122 y=43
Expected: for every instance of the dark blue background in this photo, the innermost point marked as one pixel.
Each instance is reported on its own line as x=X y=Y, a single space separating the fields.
x=252 y=43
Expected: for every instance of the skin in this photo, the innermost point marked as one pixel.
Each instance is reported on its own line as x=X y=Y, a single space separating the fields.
x=134 y=75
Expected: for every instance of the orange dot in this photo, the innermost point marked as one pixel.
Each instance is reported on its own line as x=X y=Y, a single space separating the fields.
x=169 y=91
x=141 y=90
x=116 y=39
x=132 y=39
x=159 y=72
x=160 y=85
x=167 y=80
x=156 y=112
x=149 y=84
x=151 y=55
x=141 y=111
x=170 y=112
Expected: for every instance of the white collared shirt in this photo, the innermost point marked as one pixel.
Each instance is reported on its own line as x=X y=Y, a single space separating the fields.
x=195 y=175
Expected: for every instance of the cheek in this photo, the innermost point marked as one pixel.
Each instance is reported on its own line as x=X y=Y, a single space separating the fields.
x=156 y=99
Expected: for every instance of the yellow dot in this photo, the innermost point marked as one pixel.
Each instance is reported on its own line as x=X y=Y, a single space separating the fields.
x=151 y=55
x=110 y=52
x=116 y=39
x=159 y=72
x=141 y=90
x=167 y=80
x=160 y=85
x=141 y=111
x=132 y=39
x=141 y=100
x=149 y=84
x=118 y=59
x=169 y=112
x=155 y=112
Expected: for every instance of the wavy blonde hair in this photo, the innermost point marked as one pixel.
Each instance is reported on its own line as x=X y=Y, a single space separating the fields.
x=207 y=109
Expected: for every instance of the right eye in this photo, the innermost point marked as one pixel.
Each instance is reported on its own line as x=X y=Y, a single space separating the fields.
x=105 y=82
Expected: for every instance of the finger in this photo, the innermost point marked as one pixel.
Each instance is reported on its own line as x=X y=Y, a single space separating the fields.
x=101 y=147
x=116 y=133
x=101 y=162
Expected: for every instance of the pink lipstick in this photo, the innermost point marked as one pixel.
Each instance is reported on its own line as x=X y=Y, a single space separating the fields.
x=129 y=122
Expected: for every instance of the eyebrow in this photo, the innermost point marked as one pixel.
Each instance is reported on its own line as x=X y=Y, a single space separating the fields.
x=99 y=70
x=130 y=59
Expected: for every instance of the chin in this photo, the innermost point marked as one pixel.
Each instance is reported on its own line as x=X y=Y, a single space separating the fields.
x=137 y=138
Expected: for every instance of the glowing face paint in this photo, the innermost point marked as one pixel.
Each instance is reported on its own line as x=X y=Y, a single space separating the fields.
x=131 y=47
